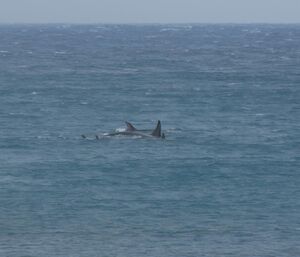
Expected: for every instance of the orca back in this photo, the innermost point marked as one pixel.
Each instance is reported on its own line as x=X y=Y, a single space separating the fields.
x=157 y=131
x=130 y=127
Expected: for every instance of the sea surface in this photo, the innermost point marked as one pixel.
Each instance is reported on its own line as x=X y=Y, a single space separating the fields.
x=224 y=182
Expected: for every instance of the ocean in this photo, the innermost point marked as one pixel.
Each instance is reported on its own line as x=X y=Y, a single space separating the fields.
x=224 y=182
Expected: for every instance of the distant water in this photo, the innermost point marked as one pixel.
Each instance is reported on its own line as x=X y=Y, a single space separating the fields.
x=224 y=182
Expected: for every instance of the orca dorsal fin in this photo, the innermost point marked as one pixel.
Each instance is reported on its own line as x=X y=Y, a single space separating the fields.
x=157 y=131
x=130 y=127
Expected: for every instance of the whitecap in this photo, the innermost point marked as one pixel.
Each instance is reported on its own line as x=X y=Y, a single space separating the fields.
x=120 y=129
x=59 y=52
x=17 y=113
x=169 y=29
x=130 y=70
x=254 y=31
x=285 y=58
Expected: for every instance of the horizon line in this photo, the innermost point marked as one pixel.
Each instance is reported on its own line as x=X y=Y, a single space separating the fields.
x=149 y=23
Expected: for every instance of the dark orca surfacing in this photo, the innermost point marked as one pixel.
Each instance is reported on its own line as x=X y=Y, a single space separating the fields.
x=132 y=131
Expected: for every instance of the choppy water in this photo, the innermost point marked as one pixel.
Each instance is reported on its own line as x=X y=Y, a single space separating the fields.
x=224 y=182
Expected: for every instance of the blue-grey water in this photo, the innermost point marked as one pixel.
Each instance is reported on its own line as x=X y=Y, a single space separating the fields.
x=224 y=182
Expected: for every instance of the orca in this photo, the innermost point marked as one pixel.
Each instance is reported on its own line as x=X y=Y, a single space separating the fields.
x=133 y=131
x=130 y=127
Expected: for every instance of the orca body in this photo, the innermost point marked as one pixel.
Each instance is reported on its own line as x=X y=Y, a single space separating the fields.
x=132 y=131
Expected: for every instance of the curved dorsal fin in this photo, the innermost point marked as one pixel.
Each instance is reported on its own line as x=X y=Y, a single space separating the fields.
x=157 y=131
x=130 y=127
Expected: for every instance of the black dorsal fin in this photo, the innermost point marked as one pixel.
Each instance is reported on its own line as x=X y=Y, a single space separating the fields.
x=130 y=127
x=157 y=131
